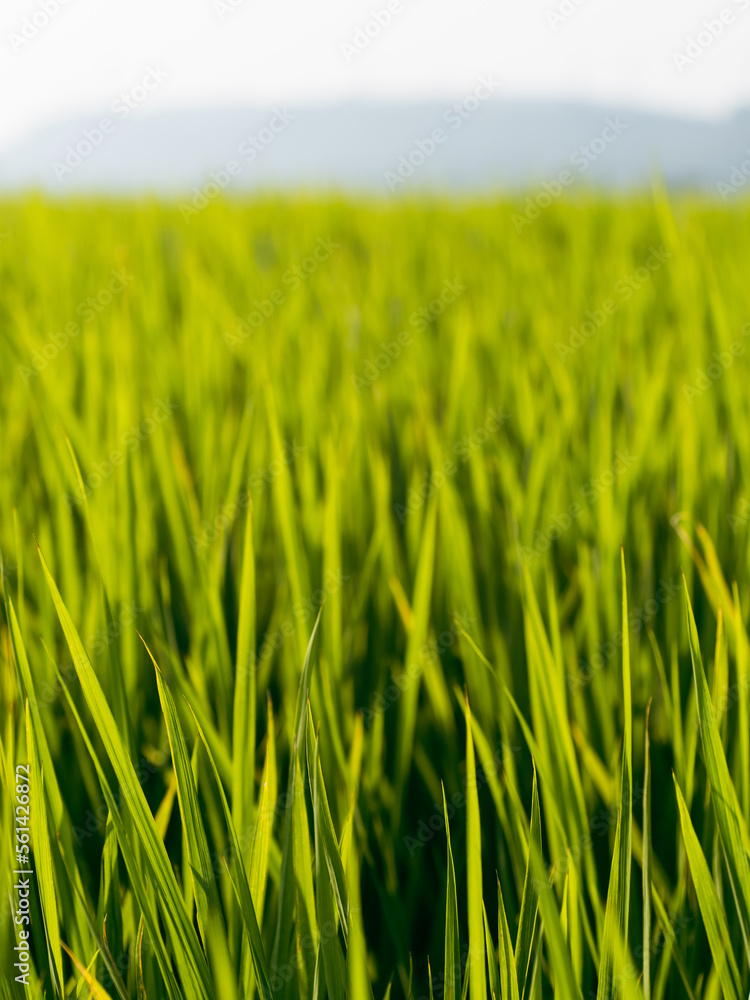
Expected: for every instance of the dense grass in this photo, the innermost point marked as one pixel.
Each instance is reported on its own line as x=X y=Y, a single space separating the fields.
x=409 y=438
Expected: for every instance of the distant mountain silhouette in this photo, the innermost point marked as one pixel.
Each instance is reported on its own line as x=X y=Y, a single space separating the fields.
x=494 y=145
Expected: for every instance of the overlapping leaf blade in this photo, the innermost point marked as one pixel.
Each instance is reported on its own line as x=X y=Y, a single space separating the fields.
x=189 y=957
x=723 y=795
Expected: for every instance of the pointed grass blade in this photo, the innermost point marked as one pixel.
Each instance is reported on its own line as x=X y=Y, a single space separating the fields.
x=452 y=975
x=476 y=960
x=188 y=953
x=723 y=795
x=714 y=919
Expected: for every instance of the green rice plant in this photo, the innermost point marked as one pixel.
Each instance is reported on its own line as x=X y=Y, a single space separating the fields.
x=375 y=620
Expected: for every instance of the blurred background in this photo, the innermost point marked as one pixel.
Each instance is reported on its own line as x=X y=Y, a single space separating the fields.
x=167 y=97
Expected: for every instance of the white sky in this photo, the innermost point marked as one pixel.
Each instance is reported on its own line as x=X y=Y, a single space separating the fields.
x=615 y=53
